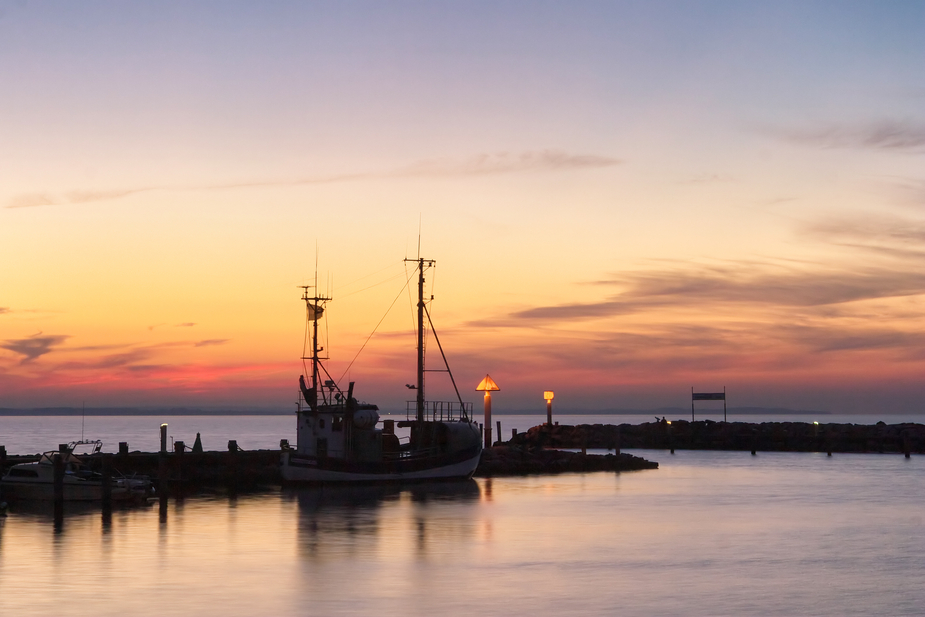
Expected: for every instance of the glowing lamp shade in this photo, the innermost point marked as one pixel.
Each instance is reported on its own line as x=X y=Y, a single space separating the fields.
x=548 y=395
x=487 y=385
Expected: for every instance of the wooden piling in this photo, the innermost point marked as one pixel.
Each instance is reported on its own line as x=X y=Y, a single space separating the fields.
x=232 y=466
x=123 y=448
x=2 y=457
x=106 y=492
x=499 y=431
x=513 y=433
x=907 y=450
x=162 y=475
x=59 y=483
x=179 y=448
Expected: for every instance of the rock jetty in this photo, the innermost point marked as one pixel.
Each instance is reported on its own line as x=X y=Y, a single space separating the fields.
x=513 y=460
x=709 y=435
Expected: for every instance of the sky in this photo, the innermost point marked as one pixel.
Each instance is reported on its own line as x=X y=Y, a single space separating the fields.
x=625 y=201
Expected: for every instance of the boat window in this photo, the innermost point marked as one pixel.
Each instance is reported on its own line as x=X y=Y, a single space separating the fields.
x=337 y=424
x=24 y=473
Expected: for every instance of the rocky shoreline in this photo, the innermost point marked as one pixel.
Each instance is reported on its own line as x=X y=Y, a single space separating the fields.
x=514 y=460
x=709 y=435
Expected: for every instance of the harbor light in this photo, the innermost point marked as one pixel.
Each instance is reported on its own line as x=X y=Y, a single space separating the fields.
x=548 y=395
x=488 y=386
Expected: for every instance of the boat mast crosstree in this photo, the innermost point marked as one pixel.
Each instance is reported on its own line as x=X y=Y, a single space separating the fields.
x=339 y=438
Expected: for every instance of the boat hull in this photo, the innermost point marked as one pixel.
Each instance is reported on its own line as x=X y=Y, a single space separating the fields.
x=45 y=491
x=310 y=469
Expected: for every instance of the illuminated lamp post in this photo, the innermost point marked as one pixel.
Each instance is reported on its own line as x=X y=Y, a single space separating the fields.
x=488 y=386
x=548 y=395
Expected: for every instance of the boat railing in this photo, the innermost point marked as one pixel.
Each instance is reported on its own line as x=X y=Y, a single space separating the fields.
x=439 y=411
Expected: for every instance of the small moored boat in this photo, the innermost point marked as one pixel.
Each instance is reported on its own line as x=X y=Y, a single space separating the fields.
x=36 y=481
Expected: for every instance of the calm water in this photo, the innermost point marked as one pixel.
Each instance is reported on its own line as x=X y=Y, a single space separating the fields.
x=709 y=533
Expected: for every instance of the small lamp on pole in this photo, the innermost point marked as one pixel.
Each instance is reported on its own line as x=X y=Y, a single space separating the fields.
x=488 y=386
x=548 y=395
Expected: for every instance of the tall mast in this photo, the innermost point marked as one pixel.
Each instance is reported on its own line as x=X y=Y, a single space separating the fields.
x=420 y=401
x=314 y=306
x=315 y=381
x=421 y=264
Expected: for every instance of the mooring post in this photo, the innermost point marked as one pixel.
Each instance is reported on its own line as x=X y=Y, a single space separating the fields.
x=179 y=447
x=106 y=493
x=164 y=438
x=59 y=483
x=123 y=448
x=907 y=449
x=499 y=431
x=233 y=465
x=162 y=476
x=2 y=457
x=513 y=433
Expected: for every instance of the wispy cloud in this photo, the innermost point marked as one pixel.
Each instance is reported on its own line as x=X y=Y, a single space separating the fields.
x=4 y=309
x=644 y=291
x=895 y=135
x=188 y=324
x=507 y=162
x=707 y=179
x=29 y=200
x=34 y=346
x=549 y=161
x=880 y=233
x=210 y=342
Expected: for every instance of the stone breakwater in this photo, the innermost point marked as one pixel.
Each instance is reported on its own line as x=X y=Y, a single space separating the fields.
x=508 y=460
x=709 y=435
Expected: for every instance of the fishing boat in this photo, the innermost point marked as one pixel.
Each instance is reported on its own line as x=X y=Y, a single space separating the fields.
x=340 y=439
x=36 y=481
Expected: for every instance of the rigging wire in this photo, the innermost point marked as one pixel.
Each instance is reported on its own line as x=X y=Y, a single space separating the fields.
x=305 y=341
x=371 y=274
x=382 y=282
x=446 y=362
x=376 y=328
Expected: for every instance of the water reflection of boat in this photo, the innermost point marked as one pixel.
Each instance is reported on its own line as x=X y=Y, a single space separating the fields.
x=318 y=498
x=338 y=438
x=353 y=518
x=36 y=481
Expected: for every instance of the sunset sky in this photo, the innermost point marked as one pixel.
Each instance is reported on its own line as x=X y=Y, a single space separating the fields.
x=624 y=199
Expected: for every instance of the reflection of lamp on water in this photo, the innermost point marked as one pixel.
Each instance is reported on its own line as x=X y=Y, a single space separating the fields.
x=488 y=386
x=548 y=395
